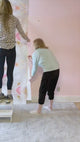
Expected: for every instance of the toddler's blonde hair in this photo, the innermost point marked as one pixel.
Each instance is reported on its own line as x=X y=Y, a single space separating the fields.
x=39 y=43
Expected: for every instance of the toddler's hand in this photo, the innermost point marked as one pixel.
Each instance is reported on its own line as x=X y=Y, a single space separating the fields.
x=30 y=58
x=31 y=79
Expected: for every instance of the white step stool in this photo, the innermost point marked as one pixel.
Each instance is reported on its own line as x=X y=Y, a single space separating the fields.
x=6 y=110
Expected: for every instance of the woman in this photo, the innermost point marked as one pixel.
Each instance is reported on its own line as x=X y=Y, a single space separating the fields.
x=44 y=58
x=8 y=25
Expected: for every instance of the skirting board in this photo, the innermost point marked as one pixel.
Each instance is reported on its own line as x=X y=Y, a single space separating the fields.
x=67 y=98
x=59 y=98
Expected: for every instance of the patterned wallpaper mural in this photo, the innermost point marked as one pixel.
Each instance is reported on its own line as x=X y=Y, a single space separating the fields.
x=20 y=91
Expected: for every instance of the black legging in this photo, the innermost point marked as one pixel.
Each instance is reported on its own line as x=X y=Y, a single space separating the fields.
x=10 y=56
x=48 y=84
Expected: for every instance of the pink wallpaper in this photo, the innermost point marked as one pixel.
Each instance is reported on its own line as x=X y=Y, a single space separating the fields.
x=58 y=23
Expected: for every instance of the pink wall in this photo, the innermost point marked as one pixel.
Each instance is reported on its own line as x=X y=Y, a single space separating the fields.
x=58 y=23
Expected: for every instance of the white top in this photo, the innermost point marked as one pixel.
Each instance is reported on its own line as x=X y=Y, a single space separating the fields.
x=7 y=39
x=45 y=59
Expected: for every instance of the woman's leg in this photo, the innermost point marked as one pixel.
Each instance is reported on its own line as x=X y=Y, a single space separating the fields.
x=10 y=58
x=2 y=61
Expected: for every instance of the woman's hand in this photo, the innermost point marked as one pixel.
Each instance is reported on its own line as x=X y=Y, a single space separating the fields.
x=28 y=40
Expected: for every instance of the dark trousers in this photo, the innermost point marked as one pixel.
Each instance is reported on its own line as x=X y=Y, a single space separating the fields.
x=9 y=55
x=48 y=84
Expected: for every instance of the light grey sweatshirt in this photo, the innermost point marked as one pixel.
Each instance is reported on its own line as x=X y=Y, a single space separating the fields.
x=45 y=59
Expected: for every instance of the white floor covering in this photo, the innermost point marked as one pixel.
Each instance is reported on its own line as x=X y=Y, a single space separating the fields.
x=61 y=125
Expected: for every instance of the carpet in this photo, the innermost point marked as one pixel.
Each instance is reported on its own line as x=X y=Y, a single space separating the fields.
x=61 y=125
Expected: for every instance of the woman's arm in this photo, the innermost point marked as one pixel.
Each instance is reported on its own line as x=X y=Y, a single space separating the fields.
x=19 y=28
